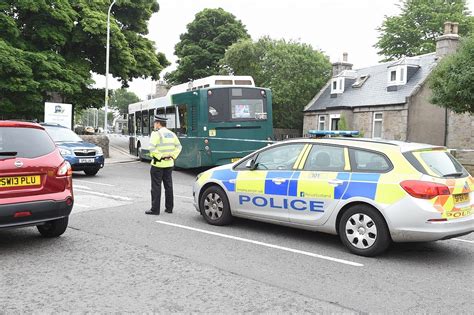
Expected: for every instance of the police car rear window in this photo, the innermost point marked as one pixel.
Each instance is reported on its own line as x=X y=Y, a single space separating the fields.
x=437 y=163
x=24 y=143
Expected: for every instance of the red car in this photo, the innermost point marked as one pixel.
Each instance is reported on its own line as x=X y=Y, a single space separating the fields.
x=35 y=180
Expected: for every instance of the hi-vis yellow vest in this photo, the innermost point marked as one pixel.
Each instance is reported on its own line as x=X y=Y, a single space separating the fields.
x=165 y=147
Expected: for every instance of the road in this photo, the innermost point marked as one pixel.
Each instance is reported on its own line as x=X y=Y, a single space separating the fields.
x=114 y=258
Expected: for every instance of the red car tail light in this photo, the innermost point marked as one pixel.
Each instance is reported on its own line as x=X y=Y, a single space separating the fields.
x=424 y=190
x=65 y=169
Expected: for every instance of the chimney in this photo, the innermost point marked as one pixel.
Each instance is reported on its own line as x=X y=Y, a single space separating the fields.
x=448 y=43
x=340 y=66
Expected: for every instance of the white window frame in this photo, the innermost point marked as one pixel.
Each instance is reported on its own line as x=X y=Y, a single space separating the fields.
x=340 y=84
x=322 y=119
x=331 y=117
x=374 y=120
x=400 y=75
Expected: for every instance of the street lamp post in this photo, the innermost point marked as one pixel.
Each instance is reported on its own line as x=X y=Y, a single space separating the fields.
x=107 y=66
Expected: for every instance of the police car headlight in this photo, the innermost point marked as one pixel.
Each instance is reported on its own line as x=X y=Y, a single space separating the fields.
x=99 y=151
x=65 y=152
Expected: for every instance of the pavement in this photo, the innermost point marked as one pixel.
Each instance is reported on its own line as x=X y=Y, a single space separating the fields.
x=118 y=150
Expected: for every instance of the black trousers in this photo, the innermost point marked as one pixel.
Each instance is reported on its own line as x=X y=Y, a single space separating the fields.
x=159 y=175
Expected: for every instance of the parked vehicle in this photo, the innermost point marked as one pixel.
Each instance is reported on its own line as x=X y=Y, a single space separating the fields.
x=35 y=180
x=368 y=192
x=83 y=156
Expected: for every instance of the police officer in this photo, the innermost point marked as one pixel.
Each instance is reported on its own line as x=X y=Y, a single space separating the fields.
x=164 y=149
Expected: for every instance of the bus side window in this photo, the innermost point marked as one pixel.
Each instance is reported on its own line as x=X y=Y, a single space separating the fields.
x=152 y=119
x=131 y=124
x=138 y=123
x=170 y=113
x=145 y=123
x=182 y=119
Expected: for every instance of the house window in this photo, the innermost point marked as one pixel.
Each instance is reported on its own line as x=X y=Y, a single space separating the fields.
x=393 y=75
x=337 y=86
x=397 y=75
x=322 y=123
x=334 y=121
x=377 y=126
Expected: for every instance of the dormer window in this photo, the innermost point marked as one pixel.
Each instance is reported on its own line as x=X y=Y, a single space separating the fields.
x=337 y=85
x=397 y=75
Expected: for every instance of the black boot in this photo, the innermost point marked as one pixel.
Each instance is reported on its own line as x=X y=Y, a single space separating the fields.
x=152 y=212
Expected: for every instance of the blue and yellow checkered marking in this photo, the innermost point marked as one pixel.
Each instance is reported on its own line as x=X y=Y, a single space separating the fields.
x=298 y=182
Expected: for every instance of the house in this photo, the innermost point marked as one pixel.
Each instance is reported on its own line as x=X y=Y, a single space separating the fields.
x=392 y=101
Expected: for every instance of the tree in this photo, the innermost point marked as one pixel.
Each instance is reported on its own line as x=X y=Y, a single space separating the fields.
x=415 y=30
x=294 y=71
x=48 y=49
x=452 y=81
x=121 y=98
x=204 y=44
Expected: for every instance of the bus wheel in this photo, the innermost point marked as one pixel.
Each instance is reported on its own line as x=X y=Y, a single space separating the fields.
x=215 y=206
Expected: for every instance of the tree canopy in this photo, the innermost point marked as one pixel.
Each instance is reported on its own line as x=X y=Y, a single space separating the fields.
x=452 y=81
x=294 y=71
x=204 y=44
x=52 y=47
x=420 y=22
x=121 y=98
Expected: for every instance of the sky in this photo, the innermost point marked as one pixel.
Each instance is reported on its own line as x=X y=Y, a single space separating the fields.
x=332 y=26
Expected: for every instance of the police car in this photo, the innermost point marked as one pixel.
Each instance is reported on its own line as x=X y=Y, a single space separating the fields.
x=369 y=192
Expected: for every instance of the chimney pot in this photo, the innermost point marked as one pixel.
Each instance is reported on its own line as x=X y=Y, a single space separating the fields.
x=447 y=27
x=344 y=57
x=455 y=27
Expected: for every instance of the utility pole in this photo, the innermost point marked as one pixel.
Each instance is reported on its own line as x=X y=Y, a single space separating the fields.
x=107 y=55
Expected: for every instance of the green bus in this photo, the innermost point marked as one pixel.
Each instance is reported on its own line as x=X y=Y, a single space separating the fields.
x=216 y=125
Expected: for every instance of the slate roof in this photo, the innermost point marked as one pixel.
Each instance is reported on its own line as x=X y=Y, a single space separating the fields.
x=374 y=91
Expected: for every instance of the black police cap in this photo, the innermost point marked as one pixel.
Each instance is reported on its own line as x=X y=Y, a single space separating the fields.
x=160 y=118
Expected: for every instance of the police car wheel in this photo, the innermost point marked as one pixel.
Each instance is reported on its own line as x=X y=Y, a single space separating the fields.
x=363 y=231
x=215 y=207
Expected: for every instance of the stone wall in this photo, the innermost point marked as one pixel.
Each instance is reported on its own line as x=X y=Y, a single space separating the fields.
x=426 y=122
x=100 y=140
x=394 y=124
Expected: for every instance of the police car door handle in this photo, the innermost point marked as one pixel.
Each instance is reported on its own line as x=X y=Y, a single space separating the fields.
x=335 y=182
x=278 y=181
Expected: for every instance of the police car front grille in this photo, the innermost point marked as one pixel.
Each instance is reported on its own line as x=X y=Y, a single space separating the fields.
x=84 y=152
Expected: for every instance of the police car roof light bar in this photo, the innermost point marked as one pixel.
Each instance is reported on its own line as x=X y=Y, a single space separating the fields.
x=329 y=133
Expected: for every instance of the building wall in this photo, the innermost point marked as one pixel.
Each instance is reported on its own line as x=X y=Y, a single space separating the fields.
x=426 y=122
x=394 y=125
x=461 y=138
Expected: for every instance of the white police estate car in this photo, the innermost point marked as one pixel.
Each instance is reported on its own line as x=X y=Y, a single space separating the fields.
x=369 y=192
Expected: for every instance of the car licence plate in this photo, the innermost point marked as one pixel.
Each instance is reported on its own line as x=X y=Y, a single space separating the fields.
x=19 y=181
x=86 y=160
x=461 y=198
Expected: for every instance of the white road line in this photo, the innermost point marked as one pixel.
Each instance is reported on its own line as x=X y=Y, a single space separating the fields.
x=105 y=195
x=79 y=205
x=461 y=240
x=185 y=197
x=296 y=251
x=85 y=181
x=81 y=187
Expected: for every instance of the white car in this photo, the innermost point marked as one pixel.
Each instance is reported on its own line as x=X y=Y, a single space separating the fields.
x=369 y=192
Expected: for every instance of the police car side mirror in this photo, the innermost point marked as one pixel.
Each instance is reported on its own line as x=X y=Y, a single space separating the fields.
x=250 y=164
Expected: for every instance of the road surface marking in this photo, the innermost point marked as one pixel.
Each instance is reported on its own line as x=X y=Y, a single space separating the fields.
x=105 y=195
x=81 y=187
x=185 y=197
x=461 y=240
x=79 y=205
x=85 y=181
x=341 y=261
